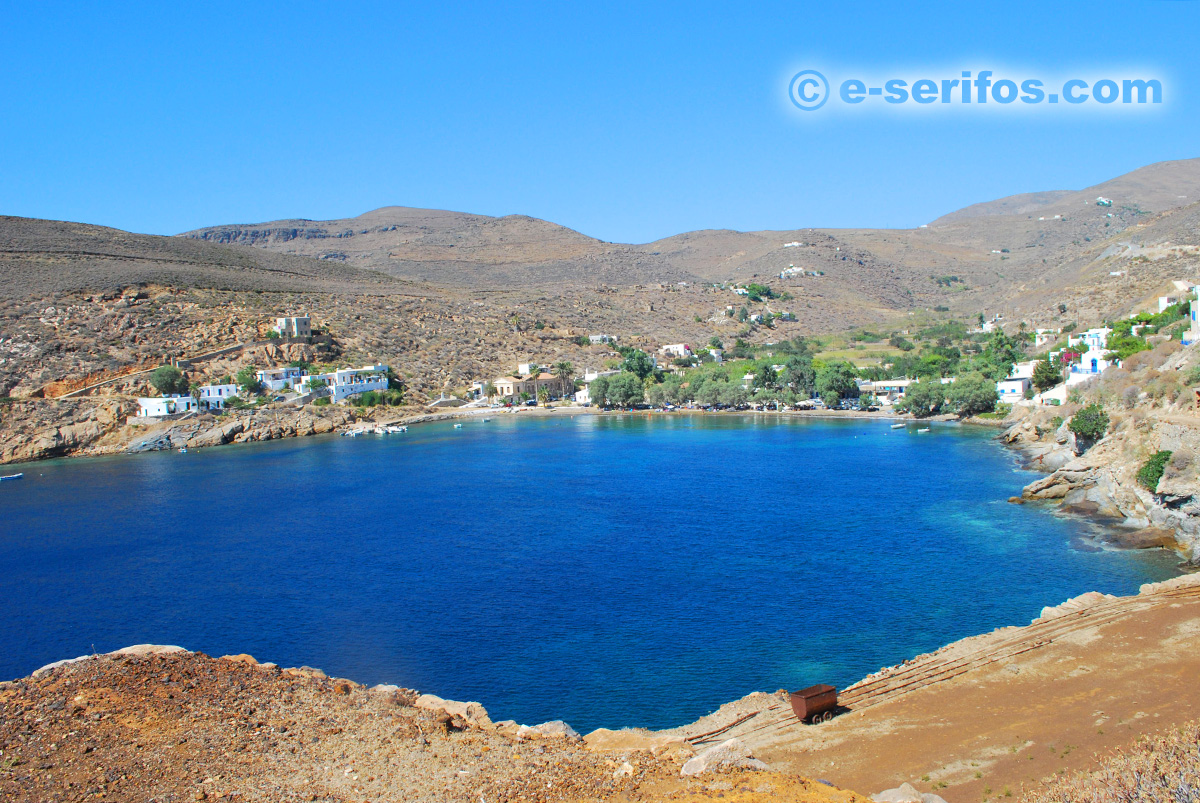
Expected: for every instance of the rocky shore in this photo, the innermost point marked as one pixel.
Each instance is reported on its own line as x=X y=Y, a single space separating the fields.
x=1100 y=480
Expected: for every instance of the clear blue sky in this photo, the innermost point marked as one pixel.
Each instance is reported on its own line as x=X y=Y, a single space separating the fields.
x=626 y=123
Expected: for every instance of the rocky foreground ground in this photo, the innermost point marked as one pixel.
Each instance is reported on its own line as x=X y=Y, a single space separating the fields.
x=163 y=724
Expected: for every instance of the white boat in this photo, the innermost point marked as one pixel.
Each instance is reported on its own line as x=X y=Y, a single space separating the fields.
x=458 y=426
x=923 y=430
x=897 y=426
x=12 y=477
x=486 y=420
x=380 y=431
x=183 y=450
x=395 y=430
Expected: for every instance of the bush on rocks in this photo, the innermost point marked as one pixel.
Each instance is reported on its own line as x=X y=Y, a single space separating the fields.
x=1152 y=470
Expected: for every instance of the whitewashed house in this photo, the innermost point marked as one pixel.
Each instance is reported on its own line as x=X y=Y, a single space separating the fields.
x=597 y=339
x=676 y=350
x=718 y=355
x=158 y=406
x=1092 y=362
x=1192 y=335
x=280 y=378
x=213 y=397
x=1092 y=339
x=347 y=382
x=1013 y=390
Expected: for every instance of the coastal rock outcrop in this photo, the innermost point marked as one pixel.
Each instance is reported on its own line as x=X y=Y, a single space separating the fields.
x=727 y=754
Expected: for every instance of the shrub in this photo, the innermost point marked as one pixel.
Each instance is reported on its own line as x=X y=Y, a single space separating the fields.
x=1152 y=470
x=1129 y=396
x=321 y=402
x=1091 y=422
x=168 y=379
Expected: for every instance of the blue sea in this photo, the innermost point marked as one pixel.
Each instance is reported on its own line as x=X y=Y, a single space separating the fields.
x=609 y=571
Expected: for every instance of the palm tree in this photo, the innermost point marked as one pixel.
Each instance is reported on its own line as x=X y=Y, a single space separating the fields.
x=489 y=390
x=544 y=397
x=534 y=369
x=566 y=374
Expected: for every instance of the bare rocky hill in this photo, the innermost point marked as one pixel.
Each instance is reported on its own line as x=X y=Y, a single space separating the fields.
x=1017 y=256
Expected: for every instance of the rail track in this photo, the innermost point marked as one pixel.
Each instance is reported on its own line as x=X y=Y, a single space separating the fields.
x=937 y=667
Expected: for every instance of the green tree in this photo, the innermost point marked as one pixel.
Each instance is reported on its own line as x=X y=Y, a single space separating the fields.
x=1090 y=423
x=565 y=372
x=714 y=342
x=489 y=391
x=999 y=355
x=800 y=376
x=638 y=363
x=626 y=389
x=1045 y=375
x=732 y=394
x=168 y=380
x=835 y=381
x=544 y=396
x=765 y=377
x=247 y=380
x=743 y=315
x=924 y=399
x=972 y=394
x=598 y=391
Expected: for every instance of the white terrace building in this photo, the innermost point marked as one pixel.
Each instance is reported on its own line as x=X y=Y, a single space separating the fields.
x=347 y=382
x=280 y=378
x=158 y=406
x=1091 y=340
x=214 y=397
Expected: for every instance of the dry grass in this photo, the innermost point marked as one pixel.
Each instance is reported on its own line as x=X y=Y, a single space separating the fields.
x=1160 y=768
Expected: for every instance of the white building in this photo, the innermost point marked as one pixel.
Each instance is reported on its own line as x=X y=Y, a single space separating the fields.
x=1092 y=339
x=1092 y=362
x=213 y=397
x=157 y=406
x=298 y=326
x=1023 y=370
x=596 y=339
x=1192 y=335
x=347 y=382
x=718 y=355
x=1013 y=390
x=280 y=378
x=677 y=350
x=1045 y=337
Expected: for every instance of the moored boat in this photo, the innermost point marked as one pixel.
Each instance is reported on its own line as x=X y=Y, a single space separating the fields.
x=13 y=477
x=897 y=426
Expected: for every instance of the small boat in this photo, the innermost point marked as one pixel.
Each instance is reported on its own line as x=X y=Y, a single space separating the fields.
x=12 y=477
x=394 y=430
x=380 y=431
x=486 y=420
x=897 y=426
x=458 y=426
x=926 y=429
x=183 y=450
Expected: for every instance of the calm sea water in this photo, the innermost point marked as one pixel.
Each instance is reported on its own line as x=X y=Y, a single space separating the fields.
x=609 y=571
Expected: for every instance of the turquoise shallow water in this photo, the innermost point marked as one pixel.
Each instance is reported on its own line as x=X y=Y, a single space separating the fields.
x=608 y=571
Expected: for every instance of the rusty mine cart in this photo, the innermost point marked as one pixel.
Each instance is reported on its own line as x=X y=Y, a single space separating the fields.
x=815 y=704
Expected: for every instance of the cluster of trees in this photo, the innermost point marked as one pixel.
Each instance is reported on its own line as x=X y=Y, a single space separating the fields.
x=970 y=394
